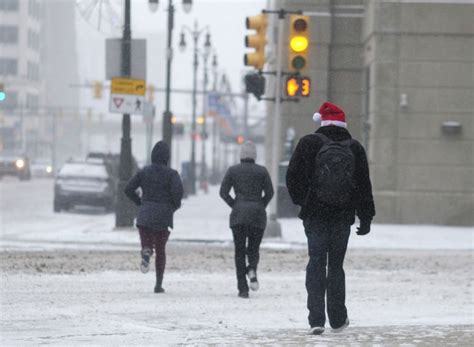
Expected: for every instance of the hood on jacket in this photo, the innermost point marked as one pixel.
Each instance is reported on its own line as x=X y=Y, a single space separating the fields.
x=335 y=133
x=160 y=153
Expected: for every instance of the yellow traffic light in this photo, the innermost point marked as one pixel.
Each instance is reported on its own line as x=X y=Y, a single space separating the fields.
x=200 y=120
x=298 y=49
x=174 y=119
x=292 y=86
x=259 y=23
x=98 y=90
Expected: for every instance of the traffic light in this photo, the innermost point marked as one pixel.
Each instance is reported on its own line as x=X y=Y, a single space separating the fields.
x=298 y=49
x=255 y=84
x=240 y=139
x=3 y=95
x=258 y=41
x=298 y=86
x=98 y=90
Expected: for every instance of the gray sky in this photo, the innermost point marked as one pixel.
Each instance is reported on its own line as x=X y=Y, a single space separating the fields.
x=226 y=19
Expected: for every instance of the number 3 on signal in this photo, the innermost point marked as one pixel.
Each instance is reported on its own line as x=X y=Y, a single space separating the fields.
x=305 y=86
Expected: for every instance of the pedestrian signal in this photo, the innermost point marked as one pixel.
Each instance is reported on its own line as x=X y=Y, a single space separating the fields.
x=298 y=43
x=255 y=84
x=257 y=41
x=298 y=86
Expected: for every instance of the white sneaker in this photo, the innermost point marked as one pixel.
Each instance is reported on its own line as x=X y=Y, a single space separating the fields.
x=253 y=280
x=345 y=325
x=145 y=263
x=316 y=331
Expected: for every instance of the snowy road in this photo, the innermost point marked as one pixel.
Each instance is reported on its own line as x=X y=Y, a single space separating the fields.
x=27 y=221
x=69 y=279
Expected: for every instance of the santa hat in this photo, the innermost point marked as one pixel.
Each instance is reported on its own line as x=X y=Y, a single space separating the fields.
x=330 y=114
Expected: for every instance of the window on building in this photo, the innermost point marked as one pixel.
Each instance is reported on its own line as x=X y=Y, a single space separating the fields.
x=8 y=5
x=8 y=67
x=8 y=34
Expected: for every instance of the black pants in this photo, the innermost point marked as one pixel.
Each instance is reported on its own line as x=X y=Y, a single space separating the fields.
x=327 y=245
x=242 y=233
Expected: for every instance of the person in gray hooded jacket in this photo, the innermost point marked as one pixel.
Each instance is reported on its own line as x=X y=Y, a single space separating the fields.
x=248 y=217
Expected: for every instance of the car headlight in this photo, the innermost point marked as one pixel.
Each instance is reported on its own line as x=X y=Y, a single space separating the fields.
x=49 y=169
x=20 y=163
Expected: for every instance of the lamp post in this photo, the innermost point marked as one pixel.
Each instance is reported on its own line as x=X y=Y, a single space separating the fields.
x=124 y=214
x=195 y=34
x=214 y=124
x=167 y=114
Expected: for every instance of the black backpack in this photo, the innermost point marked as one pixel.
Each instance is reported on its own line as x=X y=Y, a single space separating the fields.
x=334 y=173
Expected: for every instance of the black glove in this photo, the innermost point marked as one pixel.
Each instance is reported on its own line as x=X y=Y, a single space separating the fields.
x=364 y=227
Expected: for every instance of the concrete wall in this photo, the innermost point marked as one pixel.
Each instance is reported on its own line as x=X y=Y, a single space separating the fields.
x=425 y=52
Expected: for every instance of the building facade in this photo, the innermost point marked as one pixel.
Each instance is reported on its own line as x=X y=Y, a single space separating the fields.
x=402 y=70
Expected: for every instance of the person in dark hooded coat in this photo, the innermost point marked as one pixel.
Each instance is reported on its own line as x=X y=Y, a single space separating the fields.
x=248 y=217
x=161 y=194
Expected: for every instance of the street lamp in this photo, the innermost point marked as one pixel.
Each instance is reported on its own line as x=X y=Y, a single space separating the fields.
x=196 y=34
x=153 y=4
x=167 y=114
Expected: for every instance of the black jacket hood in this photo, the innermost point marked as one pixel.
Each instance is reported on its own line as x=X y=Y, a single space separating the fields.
x=160 y=153
x=335 y=133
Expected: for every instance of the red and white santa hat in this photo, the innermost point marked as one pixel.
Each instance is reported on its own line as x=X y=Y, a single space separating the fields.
x=330 y=114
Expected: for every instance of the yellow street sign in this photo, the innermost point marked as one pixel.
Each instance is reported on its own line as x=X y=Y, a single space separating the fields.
x=127 y=86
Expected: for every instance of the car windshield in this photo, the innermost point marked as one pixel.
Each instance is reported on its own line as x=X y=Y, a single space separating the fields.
x=85 y=170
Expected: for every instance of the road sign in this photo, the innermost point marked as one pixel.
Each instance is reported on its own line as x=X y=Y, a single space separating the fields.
x=126 y=103
x=113 y=52
x=127 y=86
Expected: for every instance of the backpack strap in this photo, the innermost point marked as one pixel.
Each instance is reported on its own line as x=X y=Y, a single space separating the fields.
x=323 y=138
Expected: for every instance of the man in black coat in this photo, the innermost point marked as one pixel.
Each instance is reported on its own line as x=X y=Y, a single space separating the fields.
x=327 y=226
x=161 y=196
x=248 y=218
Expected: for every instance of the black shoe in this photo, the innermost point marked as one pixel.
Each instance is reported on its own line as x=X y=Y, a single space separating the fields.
x=159 y=289
x=252 y=274
x=244 y=295
x=145 y=264
x=342 y=327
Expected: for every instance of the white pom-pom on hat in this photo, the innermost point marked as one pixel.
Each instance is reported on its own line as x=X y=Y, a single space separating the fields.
x=317 y=117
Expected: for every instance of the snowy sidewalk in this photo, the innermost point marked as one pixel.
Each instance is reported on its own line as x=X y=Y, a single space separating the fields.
x=118 y=308
x=28 y=222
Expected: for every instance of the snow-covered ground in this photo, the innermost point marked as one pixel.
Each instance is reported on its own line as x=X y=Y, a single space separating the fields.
x=28 y=222
x=70 y=279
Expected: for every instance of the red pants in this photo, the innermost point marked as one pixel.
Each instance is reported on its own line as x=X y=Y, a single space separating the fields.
x=154 y=239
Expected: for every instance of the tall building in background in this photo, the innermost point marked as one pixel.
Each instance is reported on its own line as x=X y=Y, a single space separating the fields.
x=59 y=55
x=402 y=70
x=38 y=65
x=20 y=52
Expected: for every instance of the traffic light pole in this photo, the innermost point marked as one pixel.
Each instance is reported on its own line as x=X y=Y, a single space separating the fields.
x=124 y=215
x=274 y=227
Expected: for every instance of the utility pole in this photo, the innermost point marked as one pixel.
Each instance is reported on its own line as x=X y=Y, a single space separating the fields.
x=195 y=33
x=274 y=227
x=167 y=125
x=124 y=215
x=204 y=135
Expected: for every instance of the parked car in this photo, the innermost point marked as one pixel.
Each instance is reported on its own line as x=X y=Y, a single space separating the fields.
x=41 y=167
x=87 y=182
x=15 y=164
